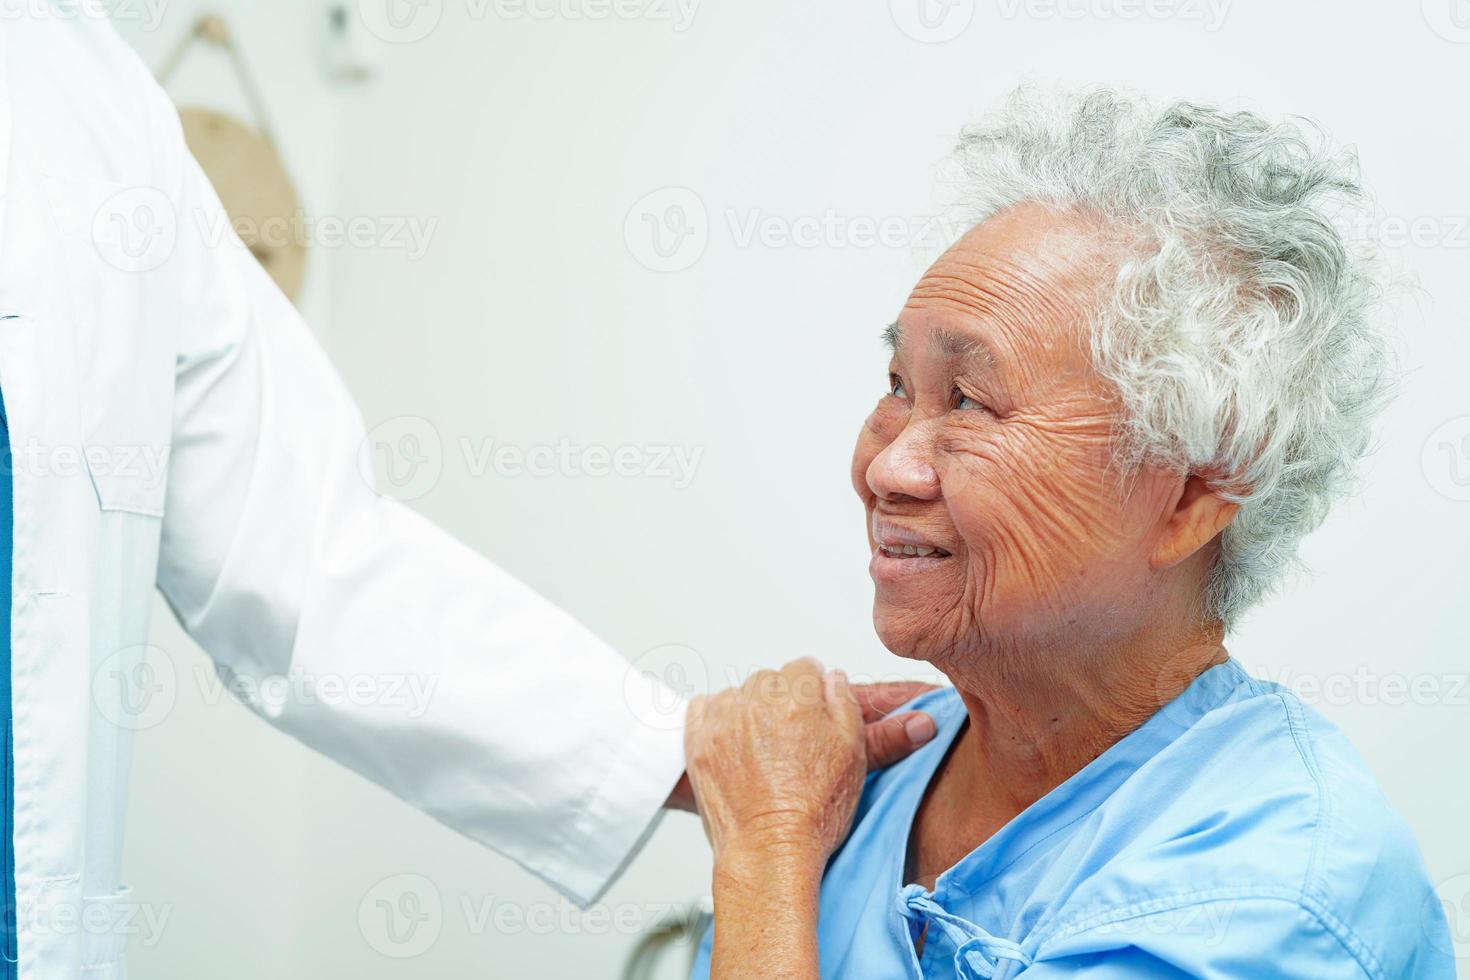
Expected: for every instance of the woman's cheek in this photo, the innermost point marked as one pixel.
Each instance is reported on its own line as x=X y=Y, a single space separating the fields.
x=962 y=476
x=973 y=467
x=1016 y=552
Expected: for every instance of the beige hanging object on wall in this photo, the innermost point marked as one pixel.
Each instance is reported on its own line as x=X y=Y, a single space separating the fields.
x=245 y=168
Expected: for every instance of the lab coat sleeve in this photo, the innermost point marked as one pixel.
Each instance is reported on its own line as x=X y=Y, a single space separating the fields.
x=359 y=627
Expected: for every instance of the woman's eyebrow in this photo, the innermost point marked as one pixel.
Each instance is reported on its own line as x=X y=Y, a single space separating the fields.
x=950 y=346
x=893 y=337
x=958 y=347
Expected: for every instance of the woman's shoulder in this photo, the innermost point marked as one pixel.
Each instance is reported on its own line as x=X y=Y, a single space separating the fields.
x=890 y=791
x=1268 y=801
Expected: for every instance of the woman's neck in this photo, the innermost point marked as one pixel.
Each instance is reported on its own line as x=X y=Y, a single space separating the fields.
x=1034 y=723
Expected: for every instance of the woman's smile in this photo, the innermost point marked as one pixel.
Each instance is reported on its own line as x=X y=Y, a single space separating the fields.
x=900 y=552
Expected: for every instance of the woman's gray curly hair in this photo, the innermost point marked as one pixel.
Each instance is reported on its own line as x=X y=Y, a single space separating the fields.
x=1239 y=333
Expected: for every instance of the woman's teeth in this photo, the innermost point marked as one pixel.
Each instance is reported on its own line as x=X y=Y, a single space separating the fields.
x=910 y=551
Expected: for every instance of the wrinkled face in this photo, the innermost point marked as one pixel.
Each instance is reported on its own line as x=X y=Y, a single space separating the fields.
x=996 y=520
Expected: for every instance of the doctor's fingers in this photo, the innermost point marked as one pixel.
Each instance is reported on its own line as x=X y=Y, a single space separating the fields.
x=797 y=685
x=842 y=707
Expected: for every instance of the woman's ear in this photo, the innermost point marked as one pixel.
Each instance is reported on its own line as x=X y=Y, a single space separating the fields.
x=1199 y=514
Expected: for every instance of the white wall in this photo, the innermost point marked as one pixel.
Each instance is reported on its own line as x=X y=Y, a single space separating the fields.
x=531 y=320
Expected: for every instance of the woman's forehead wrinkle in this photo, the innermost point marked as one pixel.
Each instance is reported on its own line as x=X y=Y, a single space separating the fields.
x=1022 y=307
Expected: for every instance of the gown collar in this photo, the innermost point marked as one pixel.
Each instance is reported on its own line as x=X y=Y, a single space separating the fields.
x=1077 y=796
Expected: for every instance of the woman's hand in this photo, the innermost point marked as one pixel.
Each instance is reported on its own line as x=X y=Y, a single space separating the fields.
x=777 y=767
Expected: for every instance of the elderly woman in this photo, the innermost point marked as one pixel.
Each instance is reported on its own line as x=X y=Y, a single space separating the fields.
x=1113 y=409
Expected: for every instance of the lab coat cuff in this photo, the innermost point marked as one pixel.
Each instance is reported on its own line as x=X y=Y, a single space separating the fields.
x=626 y=806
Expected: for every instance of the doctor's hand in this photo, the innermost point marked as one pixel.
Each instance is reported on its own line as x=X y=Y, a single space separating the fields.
x=778 y=763
x=888 y=737
x=777 y=766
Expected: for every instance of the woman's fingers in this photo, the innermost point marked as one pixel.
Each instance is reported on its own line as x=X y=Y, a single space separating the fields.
x=893 y=738
x=890 y=738
x=877 y=700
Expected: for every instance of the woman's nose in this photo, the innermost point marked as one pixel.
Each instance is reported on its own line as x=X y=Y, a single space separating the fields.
x=903 y=468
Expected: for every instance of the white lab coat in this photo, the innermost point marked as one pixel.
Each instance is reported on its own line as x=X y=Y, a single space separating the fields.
x=119 y=345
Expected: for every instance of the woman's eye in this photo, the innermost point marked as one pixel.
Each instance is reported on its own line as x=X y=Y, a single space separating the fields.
x=965 y=403
x=895 y=386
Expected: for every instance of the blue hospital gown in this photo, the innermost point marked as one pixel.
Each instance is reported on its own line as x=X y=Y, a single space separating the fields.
x=1234 y=834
